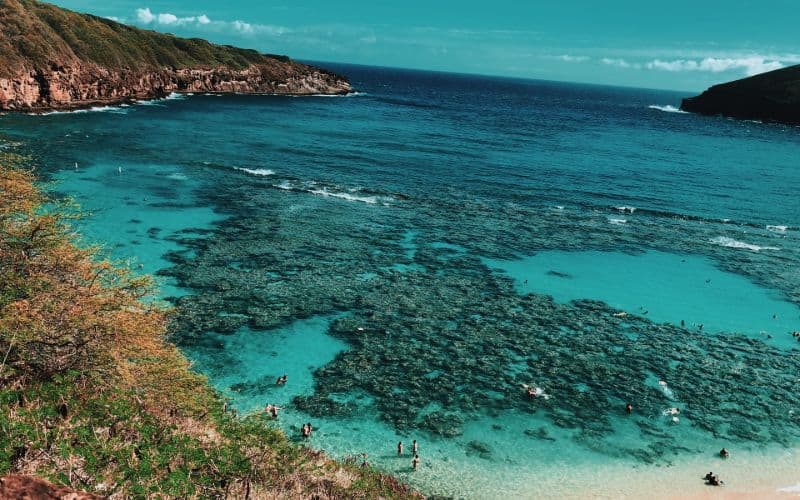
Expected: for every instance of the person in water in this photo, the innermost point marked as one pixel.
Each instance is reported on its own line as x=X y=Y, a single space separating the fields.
x=275 y=411
x=724 y=453
x=268 y=408
x=304 y=431
x=709 y=476
x=531 y=392
x=628 y=408
x=414 y=447
x=415 y=462
x=400 y=448
x=282 y=380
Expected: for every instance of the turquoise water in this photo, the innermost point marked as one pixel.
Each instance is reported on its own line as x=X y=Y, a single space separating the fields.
x=663 y=287
x=375 y=249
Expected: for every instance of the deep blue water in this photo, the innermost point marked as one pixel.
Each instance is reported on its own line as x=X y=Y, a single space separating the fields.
x=414 y=253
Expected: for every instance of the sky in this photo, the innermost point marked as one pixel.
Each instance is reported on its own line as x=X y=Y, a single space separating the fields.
x=681 y=45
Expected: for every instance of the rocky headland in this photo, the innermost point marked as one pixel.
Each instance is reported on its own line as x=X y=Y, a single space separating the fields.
x=54 y=59
x=770 y=97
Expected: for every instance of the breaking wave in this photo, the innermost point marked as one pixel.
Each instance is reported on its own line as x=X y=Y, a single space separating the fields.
x=263 y=172
x=668 y=109
x=725 y=241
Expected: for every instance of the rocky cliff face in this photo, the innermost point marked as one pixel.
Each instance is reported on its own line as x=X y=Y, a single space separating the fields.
x=84 y=85
x=769 y=97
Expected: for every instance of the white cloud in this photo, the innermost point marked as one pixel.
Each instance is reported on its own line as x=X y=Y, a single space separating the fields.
x=752 y=65
x=242 y=27
x=569 y=58
x=619 y=63
x=144 y=15
x=167 y=18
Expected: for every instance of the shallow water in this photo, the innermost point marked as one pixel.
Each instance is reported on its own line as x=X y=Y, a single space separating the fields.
x=664 y=287
x=375 y=249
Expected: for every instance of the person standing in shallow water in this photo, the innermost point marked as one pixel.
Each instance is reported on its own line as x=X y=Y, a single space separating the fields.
x=414 y=447
x=400 y=448
x=415 y=462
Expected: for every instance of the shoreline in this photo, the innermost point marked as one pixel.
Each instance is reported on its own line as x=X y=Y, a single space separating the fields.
x=91 y=105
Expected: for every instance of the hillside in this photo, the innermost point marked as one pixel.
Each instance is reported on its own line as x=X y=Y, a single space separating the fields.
x=93 y=397
x=769 y=97
x=52 y=58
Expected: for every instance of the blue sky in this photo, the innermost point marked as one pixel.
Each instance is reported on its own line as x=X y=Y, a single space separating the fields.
x=682 y=45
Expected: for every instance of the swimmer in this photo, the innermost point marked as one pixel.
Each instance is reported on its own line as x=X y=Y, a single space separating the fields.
x=530 y=392
x=282 y=379
x=628 y=408
x=304 y=431
x=275 y=411
x=400 y=448
x=709 y=476
x=268 y=408
x=724 y=453
x=683 y=323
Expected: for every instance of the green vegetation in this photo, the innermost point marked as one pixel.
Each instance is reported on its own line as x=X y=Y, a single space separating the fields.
x=93 y=397
x=39 y=35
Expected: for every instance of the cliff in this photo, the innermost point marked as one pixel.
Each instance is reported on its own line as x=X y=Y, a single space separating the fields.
x=769 y=97
x=52 y=58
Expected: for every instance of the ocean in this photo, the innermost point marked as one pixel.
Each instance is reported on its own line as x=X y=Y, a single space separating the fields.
x=416 y=254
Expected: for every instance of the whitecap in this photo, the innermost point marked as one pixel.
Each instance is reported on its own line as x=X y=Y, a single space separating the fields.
x=777 y=229
x=93 y=109
x=263 y=172
x=178 y=177
x=626 y=209
x=790 y=489
x=668 y=109
x=345 y=196
x=617 y=222
x=725 y=241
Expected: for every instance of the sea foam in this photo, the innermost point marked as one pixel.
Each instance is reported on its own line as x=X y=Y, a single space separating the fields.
x=668 y=109
x=263 y=172
x=725 y=241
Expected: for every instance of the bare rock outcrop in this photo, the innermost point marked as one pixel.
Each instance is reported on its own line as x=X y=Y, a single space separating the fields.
x=89 y=85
